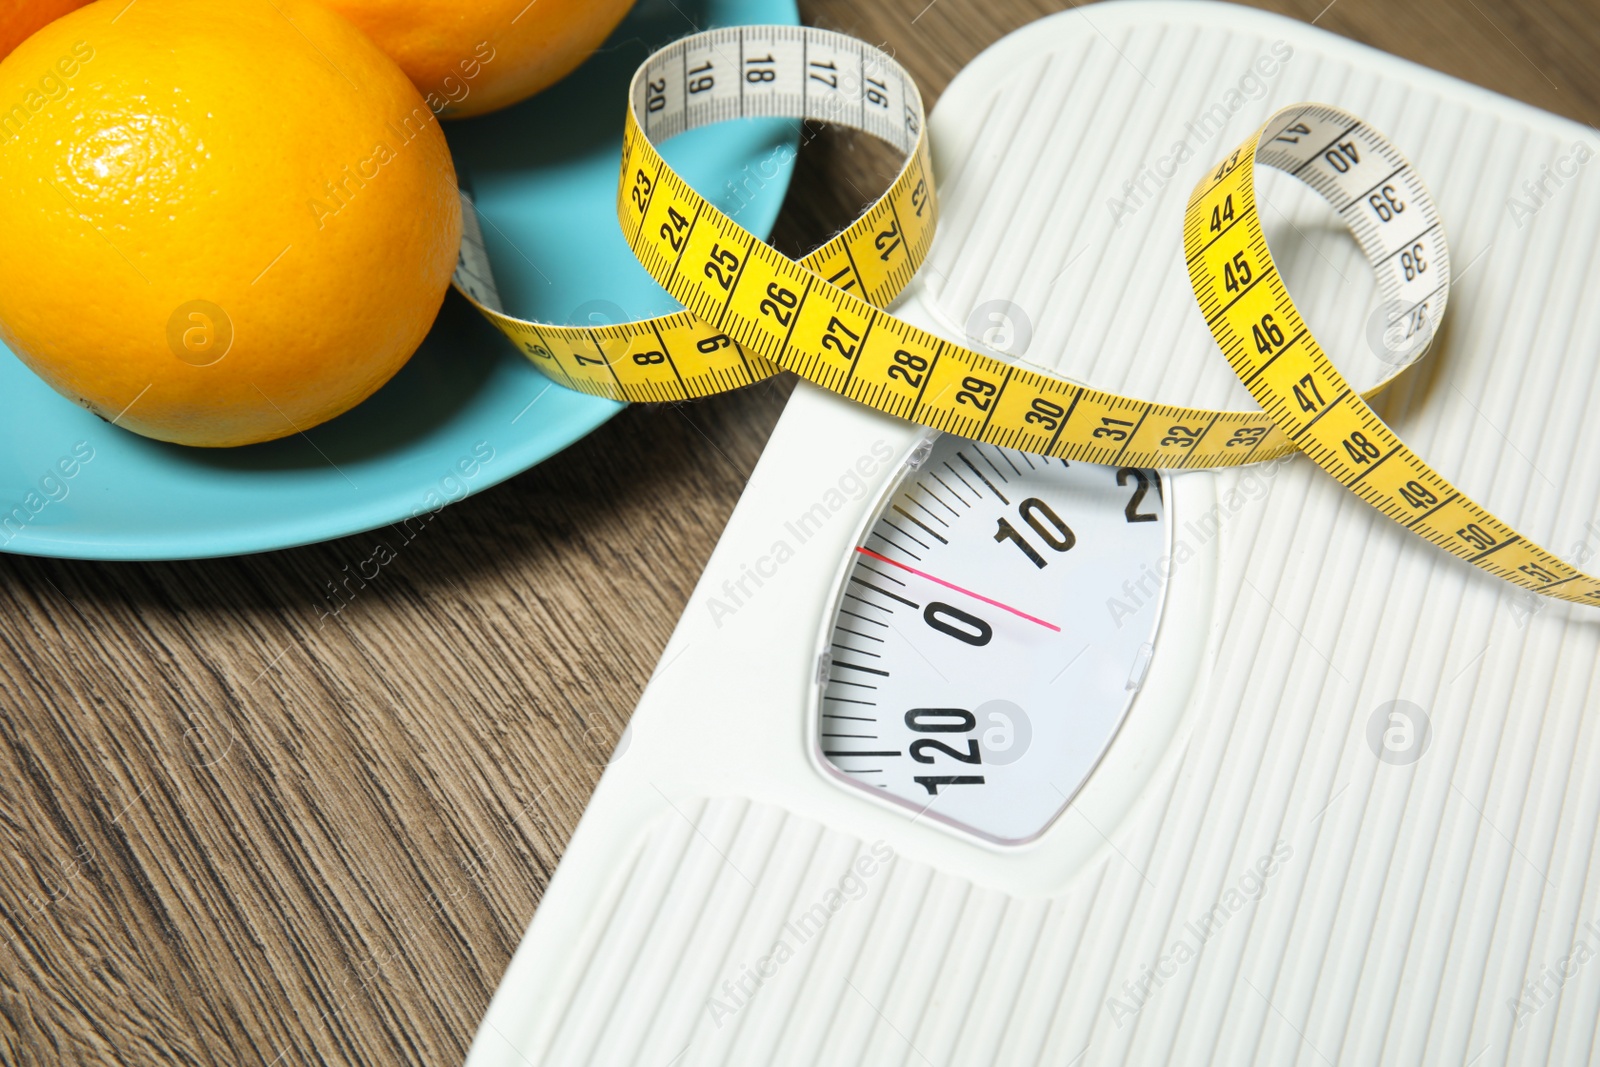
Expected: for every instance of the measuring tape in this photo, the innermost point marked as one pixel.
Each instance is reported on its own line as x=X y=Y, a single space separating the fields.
x=747 y=72
x=1265 y=340
x=751 y=311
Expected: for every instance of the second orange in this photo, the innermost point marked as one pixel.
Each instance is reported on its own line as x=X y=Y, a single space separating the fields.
x=471 y=58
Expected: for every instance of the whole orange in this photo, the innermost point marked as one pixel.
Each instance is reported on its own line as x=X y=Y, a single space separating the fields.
x=468 y=57
x=20 y=18
x=224 y=223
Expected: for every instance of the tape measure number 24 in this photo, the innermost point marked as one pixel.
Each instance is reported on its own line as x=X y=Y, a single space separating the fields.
x=751 y=311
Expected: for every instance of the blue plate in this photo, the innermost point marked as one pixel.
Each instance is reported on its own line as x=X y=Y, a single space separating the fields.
x=467 y=411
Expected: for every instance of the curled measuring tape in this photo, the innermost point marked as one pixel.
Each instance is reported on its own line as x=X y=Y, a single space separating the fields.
x=750 y=310
x=751 y=71
x=1266 y=341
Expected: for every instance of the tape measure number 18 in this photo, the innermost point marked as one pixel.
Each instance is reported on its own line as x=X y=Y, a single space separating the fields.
x=750 y=310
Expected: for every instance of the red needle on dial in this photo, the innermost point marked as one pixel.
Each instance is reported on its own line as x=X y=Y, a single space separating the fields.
x=951 y=585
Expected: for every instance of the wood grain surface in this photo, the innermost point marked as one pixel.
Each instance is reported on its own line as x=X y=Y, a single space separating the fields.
x=236 y=828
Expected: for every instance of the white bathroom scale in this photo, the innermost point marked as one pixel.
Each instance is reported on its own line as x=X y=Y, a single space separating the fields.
x=964 y=756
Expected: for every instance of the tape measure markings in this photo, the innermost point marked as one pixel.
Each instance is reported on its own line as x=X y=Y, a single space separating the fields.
x=1344 y=435
x=868 y=371
x=562 y=351
x=749 y=310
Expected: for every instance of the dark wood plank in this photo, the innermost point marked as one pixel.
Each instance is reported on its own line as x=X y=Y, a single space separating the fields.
x=238 y=826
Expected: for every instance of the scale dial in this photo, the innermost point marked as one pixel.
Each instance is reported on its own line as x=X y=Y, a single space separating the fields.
x=991 y=629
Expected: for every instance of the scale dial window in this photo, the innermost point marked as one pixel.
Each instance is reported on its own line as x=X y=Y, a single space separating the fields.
x=991 y=629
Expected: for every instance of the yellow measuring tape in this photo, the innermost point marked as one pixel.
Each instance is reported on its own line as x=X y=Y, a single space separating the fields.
x=750 y=310
x=1265 y=340
x=747 y=72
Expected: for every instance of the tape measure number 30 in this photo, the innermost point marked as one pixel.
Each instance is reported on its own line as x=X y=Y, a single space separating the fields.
x=750 y=310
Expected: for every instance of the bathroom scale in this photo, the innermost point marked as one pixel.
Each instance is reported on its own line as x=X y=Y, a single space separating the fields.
x=963 y=755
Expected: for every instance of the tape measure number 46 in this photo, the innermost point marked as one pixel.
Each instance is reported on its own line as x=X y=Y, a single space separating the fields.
x=750 y=310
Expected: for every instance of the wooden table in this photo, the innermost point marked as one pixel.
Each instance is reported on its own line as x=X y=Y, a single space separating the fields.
x=239 y=829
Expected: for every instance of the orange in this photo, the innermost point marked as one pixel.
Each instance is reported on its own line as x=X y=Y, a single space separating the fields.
x=20 y=18
x=468 y=57
x=224 y=223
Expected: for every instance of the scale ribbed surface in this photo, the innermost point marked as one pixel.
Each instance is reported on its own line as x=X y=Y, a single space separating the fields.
x=1407 y=904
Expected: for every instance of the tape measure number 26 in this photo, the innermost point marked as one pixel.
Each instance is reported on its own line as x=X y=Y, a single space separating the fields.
x=750 y=310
